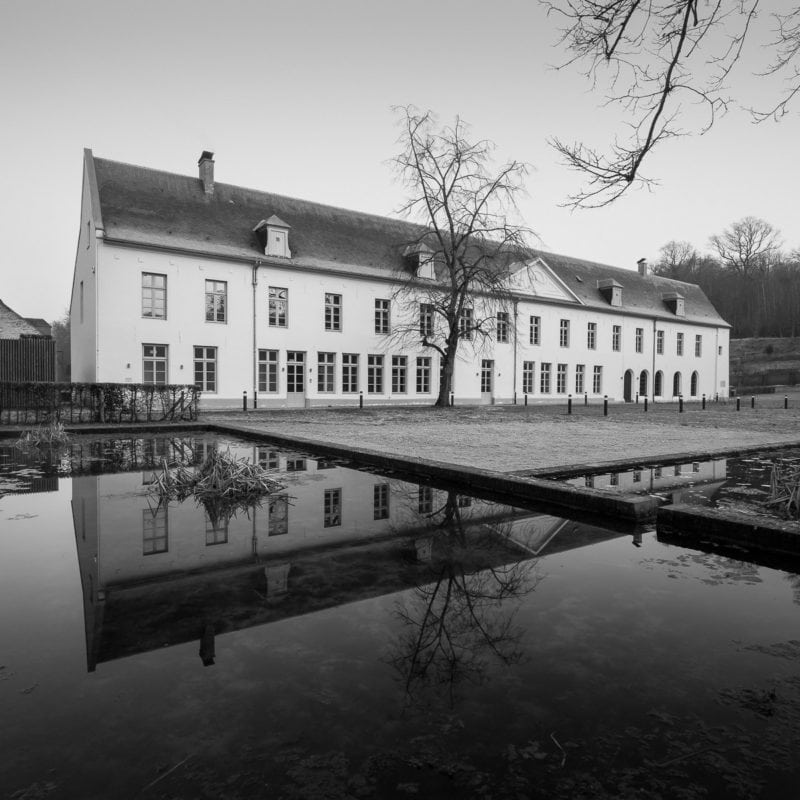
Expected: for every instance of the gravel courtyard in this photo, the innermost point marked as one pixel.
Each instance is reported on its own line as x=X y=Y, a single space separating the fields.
x=512 y=438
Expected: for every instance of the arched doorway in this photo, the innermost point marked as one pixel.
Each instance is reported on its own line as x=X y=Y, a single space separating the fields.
x=644 y=381
x=676 y=384
x=693 y=384
x=658 y=384
x=627 y=389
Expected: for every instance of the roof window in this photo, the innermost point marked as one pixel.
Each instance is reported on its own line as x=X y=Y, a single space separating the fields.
x=674 y=301
x=611 y=291
x=273 y=235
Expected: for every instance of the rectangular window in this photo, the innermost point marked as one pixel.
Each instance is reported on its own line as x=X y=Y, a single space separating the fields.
x=296 y=465
x=591 y=335
x=425 y=319
x=502 y=326
x=154 y=295
x=561 y=379
x=639 y=340
x=349 y=373
x=399 y=374
x=597 y=380
x=380 y=501
x=381 y=316
x=544 y=378
x=660 y=342
x=616 y=338
x=278 y=307
x=698 y=345
x=205 y=368
x=333 y=312
x=267 y=459
x=536 y=330
x=527 y=376
x=268 y=371
x=216 y=531
x=563 y=333
x=465 y=323
x=326 y=371
x=155 y=530
x=216 y=301
x=679 y=344
x=423 y=375
x=154 y=363
x=425 y=499
x=580 y=371
x=487 y=367
x=374 y=374
x=332 y=508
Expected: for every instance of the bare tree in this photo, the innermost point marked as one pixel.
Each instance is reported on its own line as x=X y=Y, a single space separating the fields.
x=747 y=246
x=657 y=55
x=677 y=259
x=459 y=262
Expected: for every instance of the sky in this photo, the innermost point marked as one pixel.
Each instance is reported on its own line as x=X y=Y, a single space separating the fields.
x=296 y=97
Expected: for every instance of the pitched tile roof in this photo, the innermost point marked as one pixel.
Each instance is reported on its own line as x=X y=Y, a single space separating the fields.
x=150 y=207
x=12 y=325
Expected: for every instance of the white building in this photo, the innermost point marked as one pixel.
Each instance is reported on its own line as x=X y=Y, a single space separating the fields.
x=186 y=280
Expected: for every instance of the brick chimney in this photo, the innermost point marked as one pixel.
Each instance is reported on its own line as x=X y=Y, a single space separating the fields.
x=642 y=264
x=206 y=164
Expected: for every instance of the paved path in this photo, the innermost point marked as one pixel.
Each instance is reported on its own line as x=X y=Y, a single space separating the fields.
x=511 y=438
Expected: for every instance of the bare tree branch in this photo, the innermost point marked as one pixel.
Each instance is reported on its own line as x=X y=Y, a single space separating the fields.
x=653 y=55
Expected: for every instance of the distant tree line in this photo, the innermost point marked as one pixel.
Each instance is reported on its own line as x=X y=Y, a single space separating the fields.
x=750 y=279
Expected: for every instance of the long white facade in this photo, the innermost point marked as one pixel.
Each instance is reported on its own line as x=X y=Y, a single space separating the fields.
x=298 y=330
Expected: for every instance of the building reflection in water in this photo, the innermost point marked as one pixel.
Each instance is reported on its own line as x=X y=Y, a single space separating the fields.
x=165 y=574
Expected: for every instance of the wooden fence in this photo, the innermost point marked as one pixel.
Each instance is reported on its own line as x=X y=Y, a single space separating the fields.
x=30 y=359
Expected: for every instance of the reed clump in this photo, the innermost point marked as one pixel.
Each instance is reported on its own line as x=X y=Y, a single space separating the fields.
x=784 y=493
x=222 y=484
x=51 y=435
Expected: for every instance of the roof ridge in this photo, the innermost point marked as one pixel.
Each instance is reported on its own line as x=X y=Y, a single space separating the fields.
x=312 y=203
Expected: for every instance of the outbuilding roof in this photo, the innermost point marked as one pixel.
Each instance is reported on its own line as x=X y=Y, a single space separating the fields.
x=153 y=208
x=13 y=326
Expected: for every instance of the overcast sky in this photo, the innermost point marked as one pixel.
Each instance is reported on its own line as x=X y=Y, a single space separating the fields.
x=295 y=97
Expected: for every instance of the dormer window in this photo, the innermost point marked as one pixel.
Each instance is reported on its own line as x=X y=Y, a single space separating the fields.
x=273 y=235
x=420 y=258
x=611 y=291
x=675 y=303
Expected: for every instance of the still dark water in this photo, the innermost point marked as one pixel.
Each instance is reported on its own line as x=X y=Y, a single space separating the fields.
x=360 y=636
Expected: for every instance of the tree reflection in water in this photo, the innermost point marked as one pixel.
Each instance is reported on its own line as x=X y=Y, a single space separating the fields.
x=464 y=619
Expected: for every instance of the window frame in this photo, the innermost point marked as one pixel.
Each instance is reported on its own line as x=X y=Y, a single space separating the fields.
x=528 y=376
x=333 y=312
x=591 y=336
x=423 y=374
x=375 y=365
x=278 y=307
x=563 y=333
x=268 y=370
x=326 y=373
x=616 y=338
x=545 y=375
x=535 y=332
x=383 y=308
x=502 y=325
x=150 y=294
x=216 y=295
x=399 y=374
x=205 y=361
x=350 y=376
x=155 y=359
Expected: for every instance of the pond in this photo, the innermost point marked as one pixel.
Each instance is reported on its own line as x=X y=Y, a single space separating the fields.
x=357 y=635
x=740 y=483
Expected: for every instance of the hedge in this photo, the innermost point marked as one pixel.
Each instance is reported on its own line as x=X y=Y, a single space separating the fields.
x=24 y=403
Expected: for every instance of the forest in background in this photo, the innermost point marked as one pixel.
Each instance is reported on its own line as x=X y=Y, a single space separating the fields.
x=750 y=278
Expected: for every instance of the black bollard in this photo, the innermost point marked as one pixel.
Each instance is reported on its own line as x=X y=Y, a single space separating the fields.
x=526 y=398
x=361 y=399
x=569 y=404
x=452 y=398
x=704 y=402
x=738 y=403
x=680 y=404
x=753 y=402
x=586 y=398
x=605 y=405
x=244 y=401
x=645 y=404
x=786 y=401
x=515 y=398
x=255 y=399
x=637 y=398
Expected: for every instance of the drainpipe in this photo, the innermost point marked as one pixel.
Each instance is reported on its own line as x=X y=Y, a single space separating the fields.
x=514 y=385
x=716 y=364
x=653 y=371
x=256 y=265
